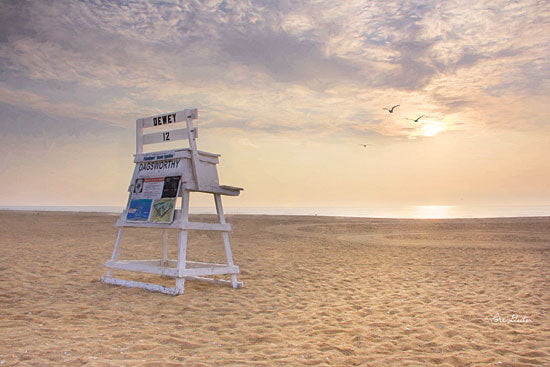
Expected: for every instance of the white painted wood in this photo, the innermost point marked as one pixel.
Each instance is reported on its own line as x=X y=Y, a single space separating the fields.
x=225 y=236
x=164 y=248
x=177 y=153
x=200 y=264
x=173 y=263
x=184 y=206
x=131 y=265
x=156 y=165
x=215 y=281
x=182 y=242
x=232 y=188
x=229 y=255
x=122 y=222
x=180 y=285
x=177 y=223
x=167 y=136
x=147 y=286
x=206 y=169
x=198 y=172
x=139 y=137
x=152 y=262
x=159 y=288
x=194 y=153
x=223 y=190
x=170 y=263
x=137 y=266
x=182 y=251
x=209 y=271
x=169 y=118
x=180 y=271
x=200 y=226
x=219 y=208
x=115 y=253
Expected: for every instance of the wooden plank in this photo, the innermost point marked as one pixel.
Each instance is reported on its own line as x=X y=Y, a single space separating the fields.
x=122 y=222
x=171 y=263
x=209 y=271
x=139 y=137
x=160 y=288
x=183 y=214
x=115 y=254
x=133 y=265
x=217 y=281
x=226 y=187
x=143 y=267
x=182 y=256
x=200 y=226
x=194 y=152
x=167 y=136
x=197 y=226
x=225 y=236
x=147 y=286
x=220 y=189
x=199 y=264
x=173 y=154
x=164 y=119
x=164 y=260
x=153 y=262
x=182 y=241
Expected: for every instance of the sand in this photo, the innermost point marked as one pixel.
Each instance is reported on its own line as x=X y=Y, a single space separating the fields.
x=317 y=291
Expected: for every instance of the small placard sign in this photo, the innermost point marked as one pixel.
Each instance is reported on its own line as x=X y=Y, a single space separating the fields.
x=155 y=187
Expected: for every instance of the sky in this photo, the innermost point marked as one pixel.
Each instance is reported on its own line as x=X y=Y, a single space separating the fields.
x=288 y=92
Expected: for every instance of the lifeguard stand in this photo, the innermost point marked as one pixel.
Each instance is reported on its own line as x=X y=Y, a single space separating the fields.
x=159 y=179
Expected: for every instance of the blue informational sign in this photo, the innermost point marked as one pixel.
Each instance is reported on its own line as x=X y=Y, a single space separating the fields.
x=139 y=209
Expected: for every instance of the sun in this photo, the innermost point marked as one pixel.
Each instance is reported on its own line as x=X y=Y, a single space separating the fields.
x=432 y=128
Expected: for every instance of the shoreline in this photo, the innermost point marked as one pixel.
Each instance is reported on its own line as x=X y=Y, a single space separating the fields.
x=9 y=210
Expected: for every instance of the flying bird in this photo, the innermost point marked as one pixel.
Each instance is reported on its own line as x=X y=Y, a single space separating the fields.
x=365 y=145
x=390 y=110
x=416 y=120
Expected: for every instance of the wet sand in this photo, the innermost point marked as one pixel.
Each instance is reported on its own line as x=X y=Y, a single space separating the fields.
x=317 y=291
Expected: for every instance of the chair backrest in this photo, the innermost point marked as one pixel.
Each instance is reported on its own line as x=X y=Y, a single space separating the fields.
x=172 y=119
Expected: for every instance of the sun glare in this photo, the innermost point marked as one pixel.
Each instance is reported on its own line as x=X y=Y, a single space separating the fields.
x=432 y=211
x=432 y=128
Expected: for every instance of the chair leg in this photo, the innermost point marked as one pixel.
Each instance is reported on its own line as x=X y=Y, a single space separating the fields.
x=164 y=259
x=225 y=236
x=116 y=253
x=182 y=255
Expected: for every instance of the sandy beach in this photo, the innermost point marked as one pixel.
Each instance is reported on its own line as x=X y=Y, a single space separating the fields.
x=317 y=291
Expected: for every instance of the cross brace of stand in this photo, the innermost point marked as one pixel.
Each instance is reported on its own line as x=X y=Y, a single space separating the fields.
x=181 y=269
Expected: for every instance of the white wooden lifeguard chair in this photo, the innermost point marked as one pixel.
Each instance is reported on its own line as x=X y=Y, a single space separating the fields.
x=159 y=178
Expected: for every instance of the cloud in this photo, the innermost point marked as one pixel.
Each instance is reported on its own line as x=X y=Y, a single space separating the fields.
x=287 y=58
x=26 y=122
x=279 y=67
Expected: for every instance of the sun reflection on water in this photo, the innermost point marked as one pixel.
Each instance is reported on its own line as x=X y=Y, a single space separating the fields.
x=432 y=211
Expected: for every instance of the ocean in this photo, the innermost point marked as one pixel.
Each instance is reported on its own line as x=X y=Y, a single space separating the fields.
x=412 y=211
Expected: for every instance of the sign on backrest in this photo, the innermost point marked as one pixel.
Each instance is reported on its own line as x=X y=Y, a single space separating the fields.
x=156 y=183
x=166 y=121
x=168 y=118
